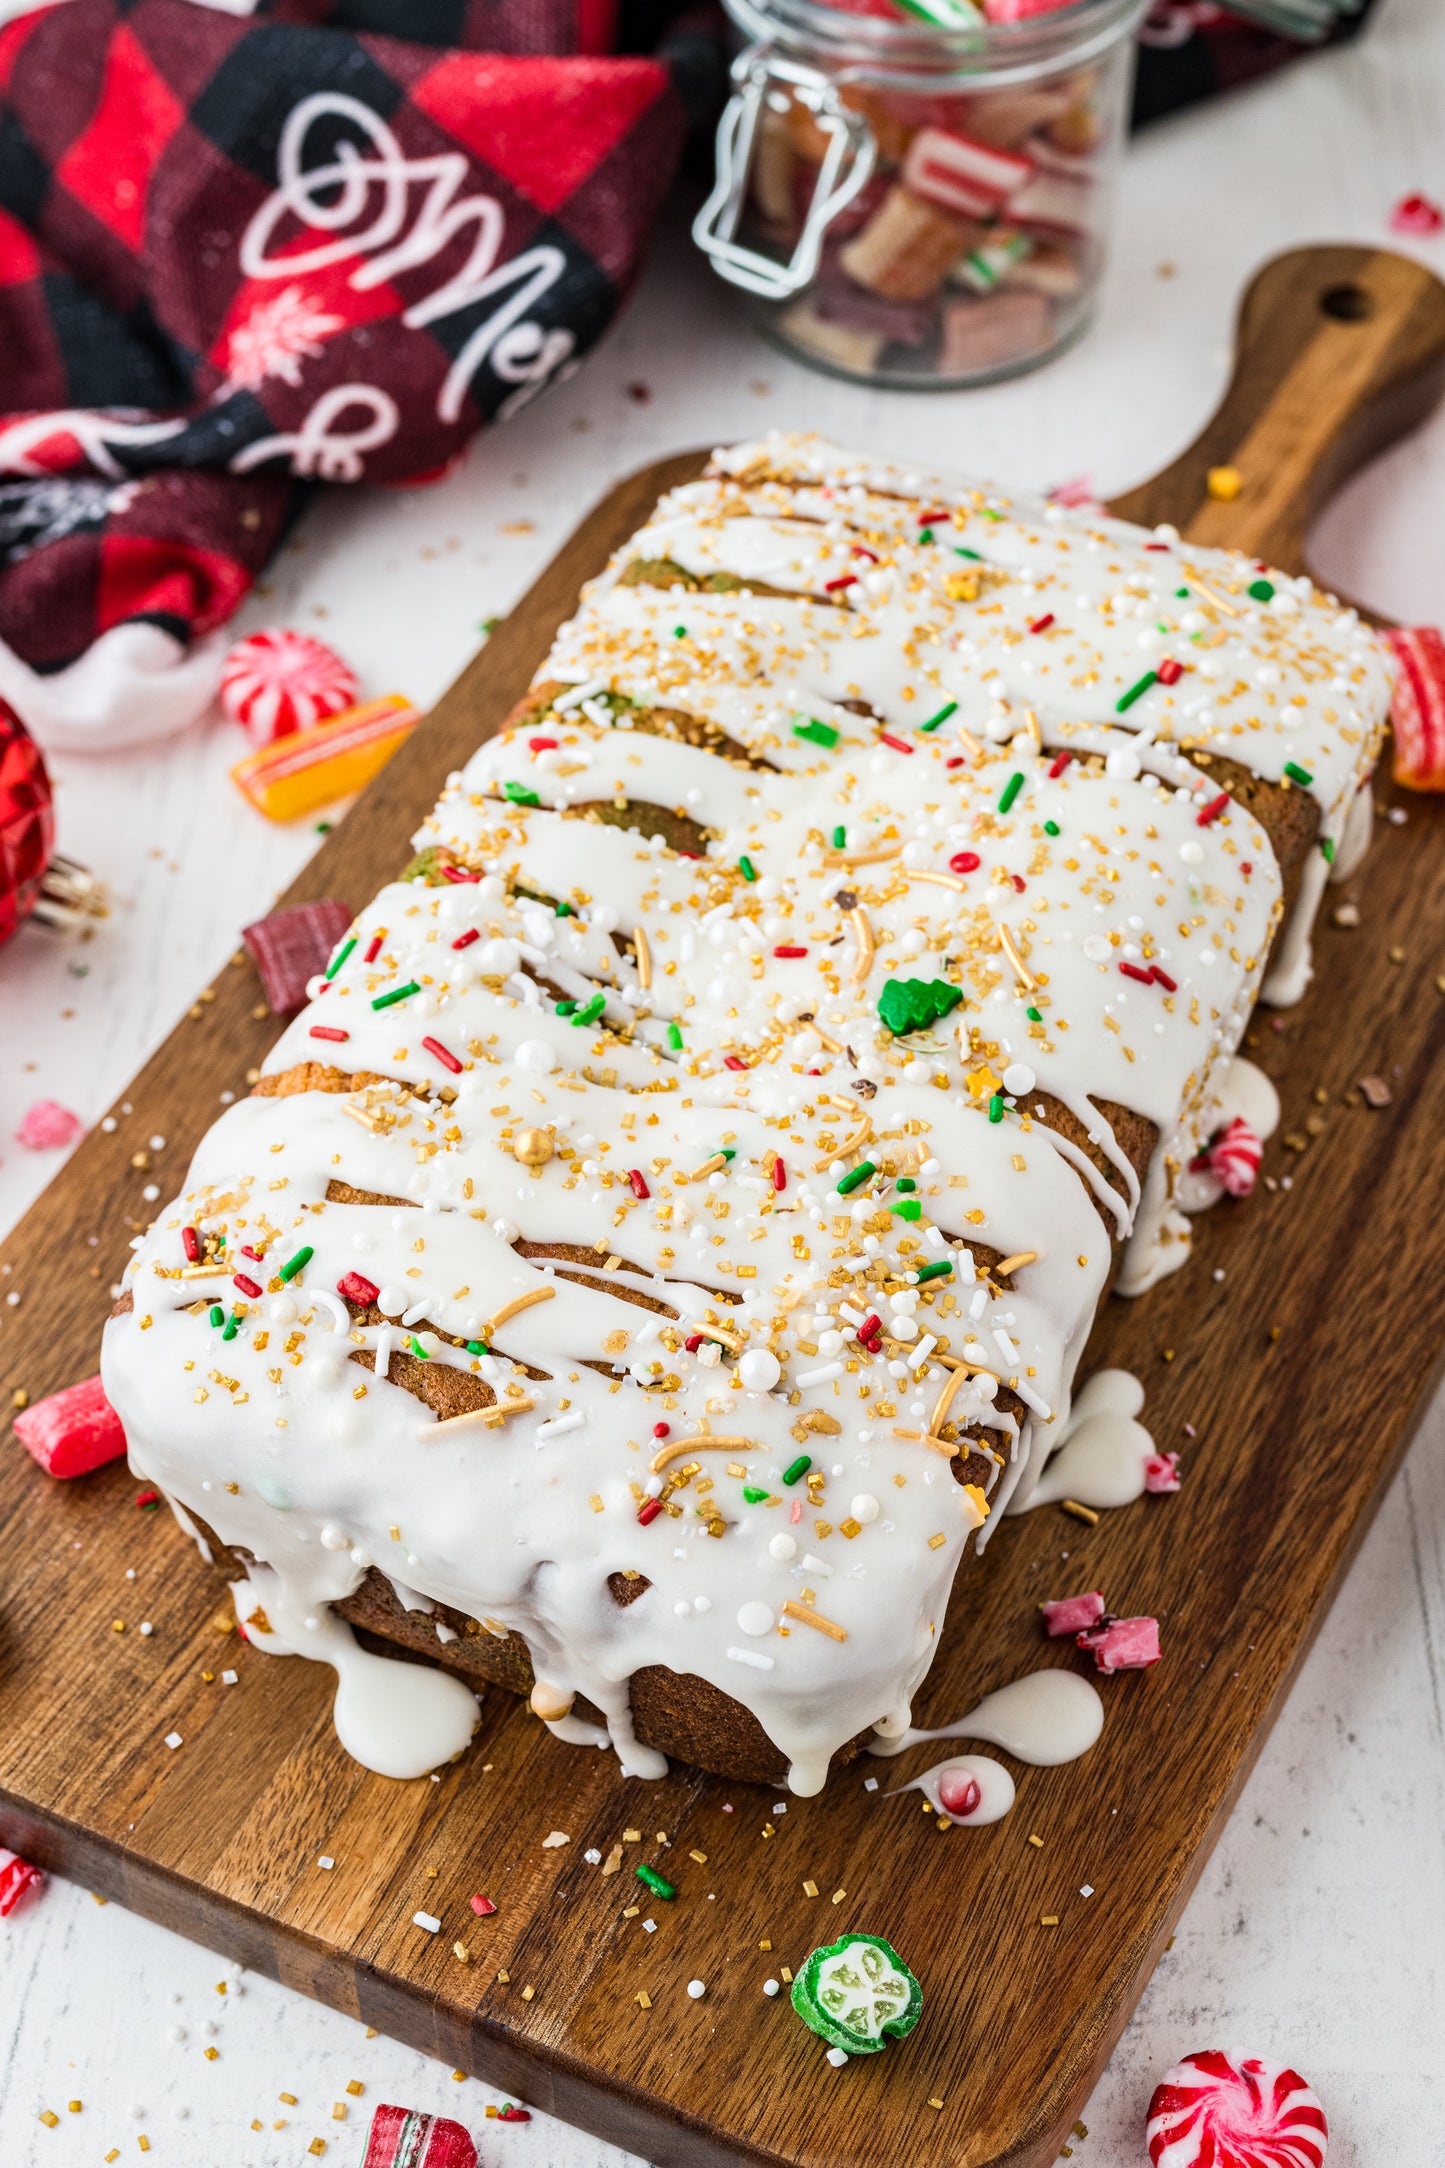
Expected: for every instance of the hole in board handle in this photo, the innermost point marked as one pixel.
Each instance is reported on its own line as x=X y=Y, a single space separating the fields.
x=1347 y=304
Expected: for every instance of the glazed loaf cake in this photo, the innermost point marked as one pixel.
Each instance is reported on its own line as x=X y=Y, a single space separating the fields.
x=671 y=1230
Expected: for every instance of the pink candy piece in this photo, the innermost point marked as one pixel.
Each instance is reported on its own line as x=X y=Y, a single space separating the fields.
x=72 y=1431
x=405 y=2138
x=971 y=179
x=1417 y=713
x=1233 y=1158
x=1417 y=215
x=959 y=1790
x=1071 y=1613
x=1161 y=1472
x=1125 y=1644
x=19 y=1883
x=276 y=682
x=291 y=946
x=1077 y=493
x=1020 y=11
x=1230 y=2111
x=47 y=1126
x=483 y=1907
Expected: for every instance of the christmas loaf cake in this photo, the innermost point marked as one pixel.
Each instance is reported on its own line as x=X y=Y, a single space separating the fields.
x=670 y=1231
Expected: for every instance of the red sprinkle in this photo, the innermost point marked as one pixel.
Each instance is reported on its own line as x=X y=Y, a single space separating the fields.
x=247 y=1251
x=780 y=1175
x=1169 y=671
x=246 y=1285
x=693 y=1342
x=932 y=519
x=483 y=1907
x=465 y=940
x=191 y=1244
x=459 y=873
x=514 y=2114
x=662 y=1430
x=543 y=745
x=329 y=1031
x=1042 y=624
x=831 y=587
x=1058 y=764
x=443 y=1054
x=1213 y=810
x=1162 y=978
x=871 y=1326
x=860 y=551
x=731 y=1061
x=965 y=862
x=1137 y=971
x=790 y=952
x=1246 y=867
x=899 y=745
x=1156 y=545
x=356 y=1287
x=955 y=762
x=373 y=948
x=147 y=1498
x=1019 y=882
x=639 y=1182
x=648 y=1511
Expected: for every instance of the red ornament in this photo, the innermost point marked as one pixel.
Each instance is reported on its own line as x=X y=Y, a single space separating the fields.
x=27 y=824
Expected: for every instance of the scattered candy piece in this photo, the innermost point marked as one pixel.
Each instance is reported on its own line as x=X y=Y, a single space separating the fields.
x=48 y=1126
x=314 y=767
x=857 y=1993
x=970 y=179
x=405 y=2138
x=1375 y=1091
x=1070 y=1614
x=291 y=946
x=19 y=1883
x=959 y=1790
x=1161 y=1473
x=510 y=2114
x=1417 y=713
x=274 y=683
x=1125 y=1644
x=1417 y=215
x=1232 y=1157
x=913 y=1004
x=483 y=1906
x=1224 y=484
x=72 y=1431
x=1235 y=2112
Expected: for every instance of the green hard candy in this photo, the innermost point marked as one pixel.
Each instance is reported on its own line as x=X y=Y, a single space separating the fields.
x=913 y=1004
x=857 y=1994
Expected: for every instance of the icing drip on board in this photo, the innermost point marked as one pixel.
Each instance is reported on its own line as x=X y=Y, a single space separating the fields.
x=995 y=1789
x=1044 y=1718
x=1103 y=1452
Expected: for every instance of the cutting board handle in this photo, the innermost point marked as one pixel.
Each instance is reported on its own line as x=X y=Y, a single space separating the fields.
x=1338 y=352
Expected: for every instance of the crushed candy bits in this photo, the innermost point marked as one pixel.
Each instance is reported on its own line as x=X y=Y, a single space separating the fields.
x=48 y=1127
x=857 y=1994
x=1122 y=1644
x=72 y=1431
x=405 y=2138
x=1072 y=1614
x=290 y=947
x=20 y=1883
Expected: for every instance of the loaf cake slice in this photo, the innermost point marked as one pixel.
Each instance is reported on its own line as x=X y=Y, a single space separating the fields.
x=670 y=1232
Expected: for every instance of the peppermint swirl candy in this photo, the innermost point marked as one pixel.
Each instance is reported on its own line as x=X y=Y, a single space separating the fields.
x=1232 y=2111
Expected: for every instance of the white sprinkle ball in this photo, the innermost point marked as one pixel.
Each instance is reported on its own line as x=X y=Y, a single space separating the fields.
x=697 y=1989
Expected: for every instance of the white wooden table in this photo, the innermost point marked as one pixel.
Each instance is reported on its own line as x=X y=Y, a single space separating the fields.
x=1316 y=1932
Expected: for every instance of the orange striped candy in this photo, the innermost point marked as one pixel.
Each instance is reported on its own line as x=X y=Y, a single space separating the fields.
x=314 y=767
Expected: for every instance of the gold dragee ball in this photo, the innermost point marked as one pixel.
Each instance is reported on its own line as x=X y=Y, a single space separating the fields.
x=533 y=1147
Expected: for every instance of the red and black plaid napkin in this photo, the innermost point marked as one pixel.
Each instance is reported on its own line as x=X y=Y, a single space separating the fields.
x=238 y=256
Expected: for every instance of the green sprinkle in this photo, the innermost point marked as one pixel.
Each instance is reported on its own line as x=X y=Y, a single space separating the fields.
x=417 y=1349
x=519 y=794
x=1297 y=774
x=747 y=869
x=905 y=1185
x=724 y=1151
x=1136 y=692
x=1051 y=828
x=797 y=1468
x=938 y=1270
x=679 y=632
x=1261 y=590
x=995 y=1108
x=323 y=828
x=907 y=1208
x=298 y=1263
x=753 y=1494
x=840 y=838
x=1327 y=846
x=1181 y=594
x=566 y=1006
x=989 y=513
x=218 y=1315
x=1011 y=790
x=478 y=1347
x=674 y=1038
x=654 y=1882
x=815 y=732
x=233 y=1326
x=564 y=910
x=913 y=1004
x=972 y=555
x=397 y=993
x=950 y=707
x=593 y=1010
x=925 y=534
x=1035 y=1016
x=856 y=1177
x=341 y=955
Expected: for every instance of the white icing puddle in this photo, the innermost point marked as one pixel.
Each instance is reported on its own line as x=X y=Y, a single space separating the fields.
x=971 y=1790
x=1105 y=1449
x=1045 y=1718
x=402 y=1720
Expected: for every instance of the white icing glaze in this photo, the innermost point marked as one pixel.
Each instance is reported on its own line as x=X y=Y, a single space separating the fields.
x=1354 y=844
x=1108 y=946
x=995 y=1787
x=1044 y=1718
x=1103 y=1452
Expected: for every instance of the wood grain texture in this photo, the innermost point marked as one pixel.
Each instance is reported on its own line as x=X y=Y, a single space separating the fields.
x=1299 y=1377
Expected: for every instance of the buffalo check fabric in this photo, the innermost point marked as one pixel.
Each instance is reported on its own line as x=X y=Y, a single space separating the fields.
x=242 y=255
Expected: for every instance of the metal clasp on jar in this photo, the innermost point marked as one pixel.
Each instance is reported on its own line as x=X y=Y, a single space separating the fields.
x=764 y=78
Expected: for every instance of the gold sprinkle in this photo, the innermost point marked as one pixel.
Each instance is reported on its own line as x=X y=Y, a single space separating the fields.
x=1224 y=484
x=1014 y=1263
x=939 y=880
x=528 y=1993
x=491 y=1417
x=838 y=1896
x=644 y=958
x=867 y=948
x=814 y=1618
x=1009 y=946
x=461 y=1953
x=936 y=1542
x=810 y=1889
x=1036 y=1840
x=700 y=1857
x=644 y=1998
x=732 y=1444
x=288 y=2100
x=338 y=2111
x=1207 y=594
x=1080 y=1513
x=1049 y=1919
x=514 y=1308
x=49 y=2118
x=877 y=856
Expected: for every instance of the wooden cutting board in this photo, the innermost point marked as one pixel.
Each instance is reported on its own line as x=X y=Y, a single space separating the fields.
x=1300 y=1372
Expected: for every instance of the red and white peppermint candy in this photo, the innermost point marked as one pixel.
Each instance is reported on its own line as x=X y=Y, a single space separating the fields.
x=1233 y=1158
x=276 y=682
x=19 y=1882
x=1233 y=2111
x=1417 y=713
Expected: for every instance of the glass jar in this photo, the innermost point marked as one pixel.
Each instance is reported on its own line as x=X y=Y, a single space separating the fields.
x=919 y=206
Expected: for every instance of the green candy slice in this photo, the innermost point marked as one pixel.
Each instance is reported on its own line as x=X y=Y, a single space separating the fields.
x=913 y=1004
x=857 y=1994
